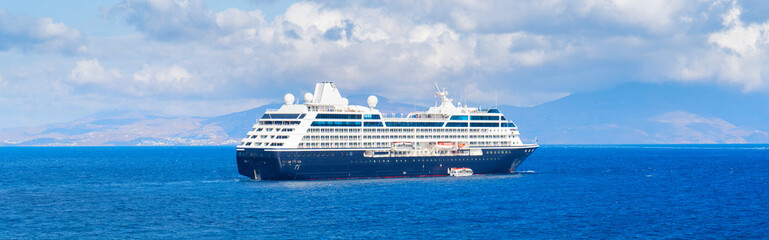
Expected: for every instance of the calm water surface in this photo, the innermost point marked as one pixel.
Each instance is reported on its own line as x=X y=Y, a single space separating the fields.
x=647 y=191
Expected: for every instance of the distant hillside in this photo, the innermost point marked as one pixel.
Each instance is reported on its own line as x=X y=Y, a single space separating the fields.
x=134 y=128
x=628 y=114
x=235 y=125
x=118 y=128
x=647 y=113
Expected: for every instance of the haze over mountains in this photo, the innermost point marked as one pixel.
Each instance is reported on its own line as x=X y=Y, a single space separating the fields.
x=648 y=113
x=628 y=114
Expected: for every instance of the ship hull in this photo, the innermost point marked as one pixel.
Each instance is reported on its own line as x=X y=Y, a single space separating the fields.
x=270 y=164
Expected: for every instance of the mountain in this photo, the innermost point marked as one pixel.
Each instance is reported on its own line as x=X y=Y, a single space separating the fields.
x=119 y=128
x=135 y=128
x=635 y=113
x=235 y=125
x=642 y=113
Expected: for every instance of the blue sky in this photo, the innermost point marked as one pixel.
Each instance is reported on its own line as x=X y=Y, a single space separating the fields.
x=61 y=61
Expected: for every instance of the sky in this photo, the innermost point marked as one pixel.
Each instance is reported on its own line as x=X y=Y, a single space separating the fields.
x=62 y=60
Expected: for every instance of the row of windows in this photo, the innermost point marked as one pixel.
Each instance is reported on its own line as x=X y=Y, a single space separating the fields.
x=338 y=116
x=266 y=136
x=499 y=152
x=271 y=129
x=334 y=145
x=406 y=124
x=282 y=116
x=255 y=154
x=388 y=144
x=333 y=130
x=335 y=124
x=280 y=122
x=265 y=144
x=425 y=160
x=427 y=116
x=371 y=116
x=475 y=124
x=319 y=154
x=456 y=124
x=436 y=137
x=398 y=130
x=367 y=137
x=414 y=124
x=328 y=138
x=485 y=118
x=482 y=118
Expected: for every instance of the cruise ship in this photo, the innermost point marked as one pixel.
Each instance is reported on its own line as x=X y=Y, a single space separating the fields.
x=327 y=138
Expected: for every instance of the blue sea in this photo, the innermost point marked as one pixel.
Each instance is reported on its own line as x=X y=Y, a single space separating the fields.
x=567 y=192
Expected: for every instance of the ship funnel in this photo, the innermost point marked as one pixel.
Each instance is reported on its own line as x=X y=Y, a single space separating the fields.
x=327 y=94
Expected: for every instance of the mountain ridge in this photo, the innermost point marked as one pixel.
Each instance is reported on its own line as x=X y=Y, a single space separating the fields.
x=637 y=113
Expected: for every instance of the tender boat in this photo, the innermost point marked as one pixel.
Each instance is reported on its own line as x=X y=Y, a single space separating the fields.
x=460 y=172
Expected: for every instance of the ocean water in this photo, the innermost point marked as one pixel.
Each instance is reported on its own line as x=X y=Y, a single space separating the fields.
x=596 y=192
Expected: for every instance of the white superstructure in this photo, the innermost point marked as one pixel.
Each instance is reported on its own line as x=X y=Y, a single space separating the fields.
x=325 y=120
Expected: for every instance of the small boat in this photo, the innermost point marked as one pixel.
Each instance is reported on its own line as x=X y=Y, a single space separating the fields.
x=460 y=172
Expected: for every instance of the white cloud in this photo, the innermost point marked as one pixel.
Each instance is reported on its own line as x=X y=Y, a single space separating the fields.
x=91 y=71
x=172 y=75
x=27 y=34
x=422 y=33
x=309 y=15
x=652 y=15
x=164 y=80
x=362 y=47
x=738 y=54
x=168 y=20
x=233 y=18
x=156 y=80
x=533 y=51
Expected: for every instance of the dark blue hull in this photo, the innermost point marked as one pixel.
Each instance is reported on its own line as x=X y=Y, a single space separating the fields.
x=272 y=164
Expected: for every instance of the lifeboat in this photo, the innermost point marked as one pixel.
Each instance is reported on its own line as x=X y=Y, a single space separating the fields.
x=460 y=172
x=445 y=145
